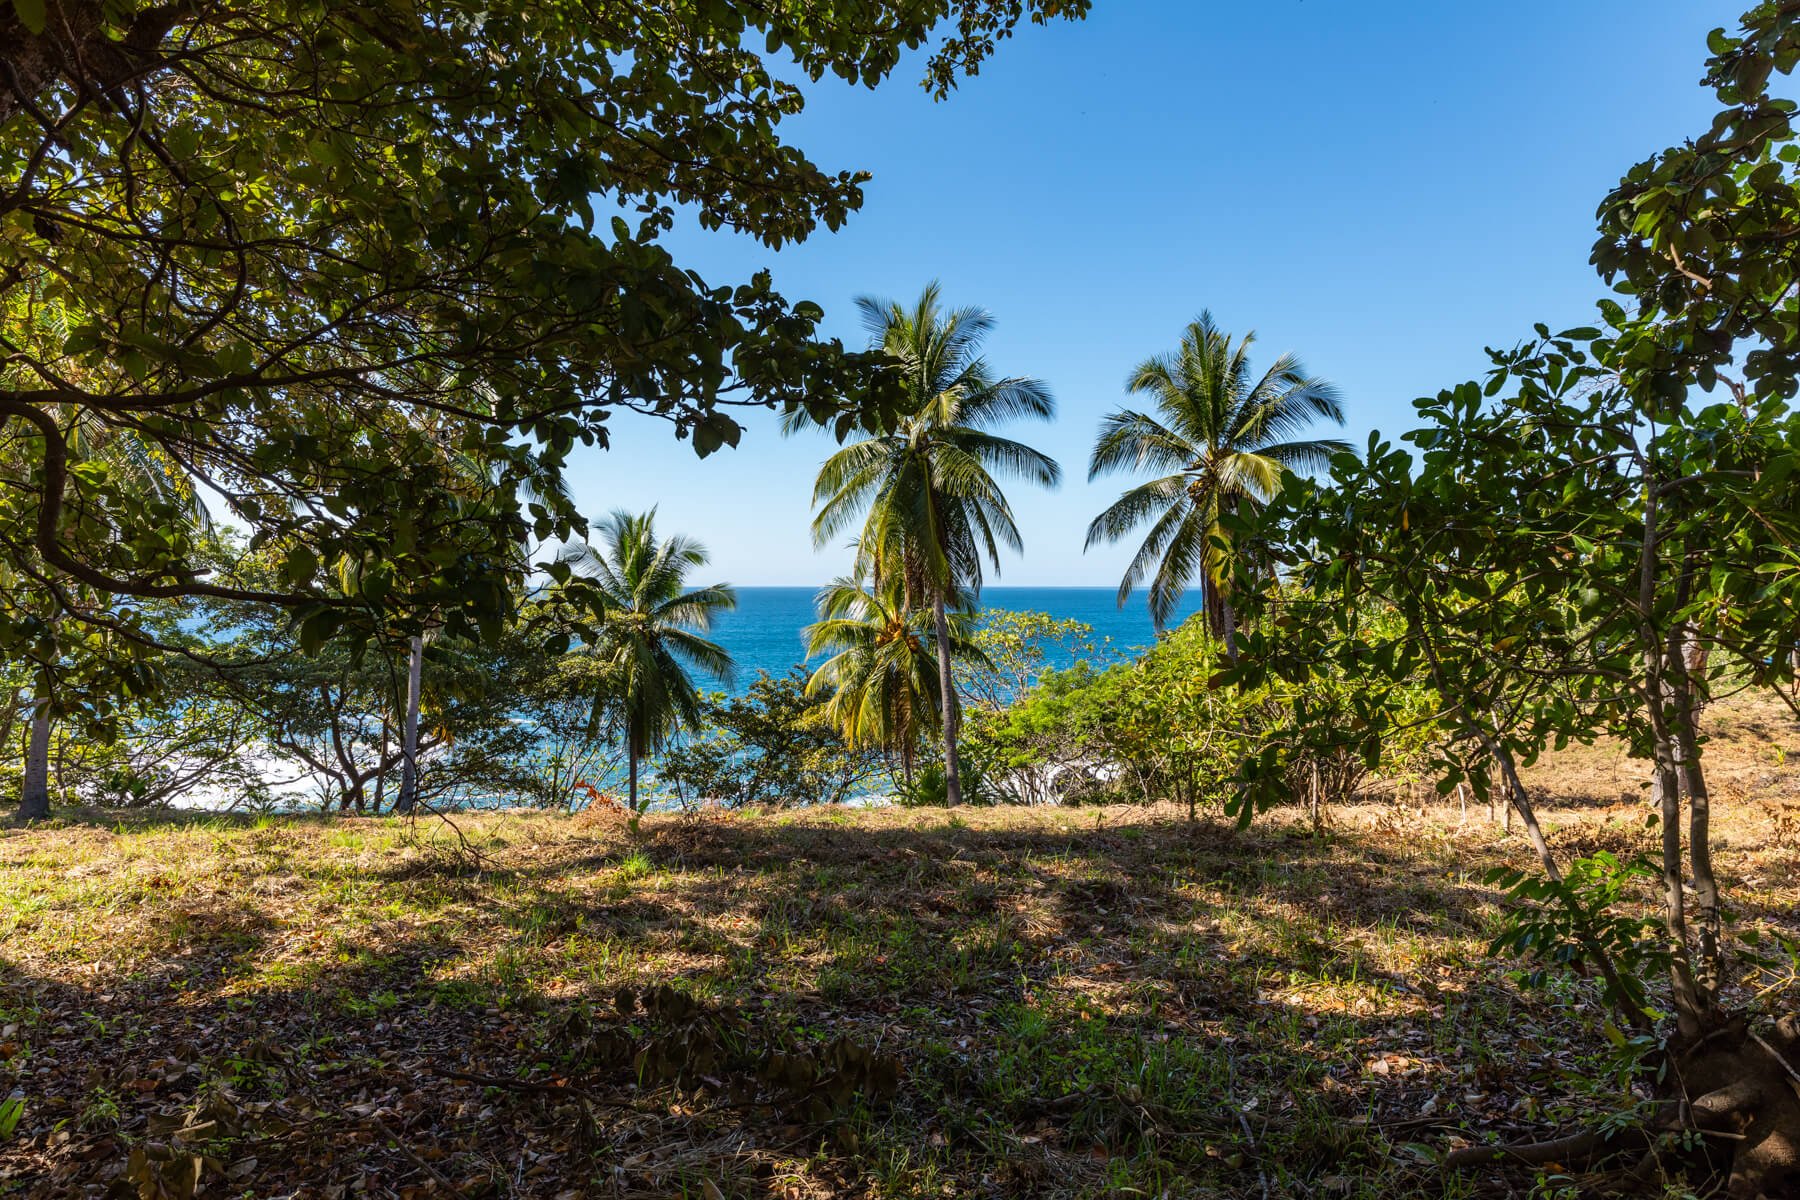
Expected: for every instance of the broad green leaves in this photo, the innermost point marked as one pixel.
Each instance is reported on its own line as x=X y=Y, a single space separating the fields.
x=31 y=14
x=1706 y=235
x=372 y=276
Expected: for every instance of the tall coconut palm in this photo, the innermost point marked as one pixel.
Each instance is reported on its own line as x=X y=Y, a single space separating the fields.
x=924 y=490
x=652 y=633
x=881 y=669
x=1220 y=437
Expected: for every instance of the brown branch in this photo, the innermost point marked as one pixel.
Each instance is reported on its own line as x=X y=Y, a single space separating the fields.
x=48 y=544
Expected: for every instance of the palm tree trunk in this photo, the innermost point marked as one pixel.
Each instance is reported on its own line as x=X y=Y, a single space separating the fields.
x=34 y=796
x=1228 y=623
x=409 y=743
x=1213 y=605
x=952 y=710
x=631 y=757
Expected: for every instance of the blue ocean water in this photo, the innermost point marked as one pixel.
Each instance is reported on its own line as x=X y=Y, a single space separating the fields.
x=763 y=634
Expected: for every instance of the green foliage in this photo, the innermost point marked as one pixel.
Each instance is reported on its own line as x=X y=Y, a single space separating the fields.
x=1221 y=440
x=880 y=673
x=1549 y=566
x=930 y=787
x=774 y=746
x=1018 y=647
x=331 y=720
x=320 y=255
x=1160 y=728
x=1049 y=743
x=1704 y=237
x=12 y=1111
x=1584 y=546
x=1559 y=922
x=651 y=631
x=553 y=705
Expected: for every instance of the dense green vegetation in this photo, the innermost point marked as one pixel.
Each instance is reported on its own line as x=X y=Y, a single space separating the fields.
x=305 y=307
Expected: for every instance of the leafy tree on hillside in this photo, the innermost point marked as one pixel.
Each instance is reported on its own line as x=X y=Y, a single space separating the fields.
x=650 y=635
x=923 y=488
x=1587 y=547
x=1018 y=647
x=290 y=236
x=1222 y=439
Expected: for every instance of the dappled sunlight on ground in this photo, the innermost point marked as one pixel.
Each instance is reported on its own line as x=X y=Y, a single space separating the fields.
x=1077 y=1001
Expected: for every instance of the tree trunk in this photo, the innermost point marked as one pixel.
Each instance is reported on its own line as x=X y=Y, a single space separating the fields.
x=952 y=710
x=34 y=796
x=1212 y=603
x=1661 y=675
x=631 y=757
x=1683 y=718
x=1665 y=797
x=1228 y=619
x=1518 y=798
x=409 y=737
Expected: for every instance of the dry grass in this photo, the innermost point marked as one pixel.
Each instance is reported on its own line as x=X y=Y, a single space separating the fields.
x=1083 y=1002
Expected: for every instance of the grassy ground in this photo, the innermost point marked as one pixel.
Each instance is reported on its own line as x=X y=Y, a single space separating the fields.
x=890 y=1003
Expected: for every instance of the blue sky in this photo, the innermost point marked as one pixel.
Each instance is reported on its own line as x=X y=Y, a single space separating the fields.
x=1382 y=188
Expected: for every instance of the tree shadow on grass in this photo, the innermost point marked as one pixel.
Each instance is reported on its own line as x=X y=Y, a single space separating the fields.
x=1077 y=1009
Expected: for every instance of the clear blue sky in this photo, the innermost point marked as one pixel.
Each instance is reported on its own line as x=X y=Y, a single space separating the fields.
x=1382 y=188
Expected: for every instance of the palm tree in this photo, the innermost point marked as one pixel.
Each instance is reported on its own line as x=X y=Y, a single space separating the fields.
x=1221 y=438
x=924 y=489
x=882 y=666
x=652 y=630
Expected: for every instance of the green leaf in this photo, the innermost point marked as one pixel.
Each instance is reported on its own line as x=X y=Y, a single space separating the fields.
x=31 y=14
x=301 y=565
x=317 y=628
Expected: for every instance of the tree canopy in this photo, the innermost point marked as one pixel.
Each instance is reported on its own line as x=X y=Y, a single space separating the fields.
x=309 y=253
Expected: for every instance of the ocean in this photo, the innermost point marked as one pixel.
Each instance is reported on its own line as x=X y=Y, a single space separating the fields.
x=763 y=633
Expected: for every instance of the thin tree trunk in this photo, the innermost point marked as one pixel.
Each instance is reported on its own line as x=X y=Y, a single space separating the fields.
x=1521 y=800
x=1518 y=798
x=1709 y=970
x=409 y=737
x=631 y=756
x=1212 y=603
x=1228 y=619
x=952 y=711
x=381 y=774
x=1665 y=796
x=1686 y=664
x=1665 y=779
x=34 y=796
